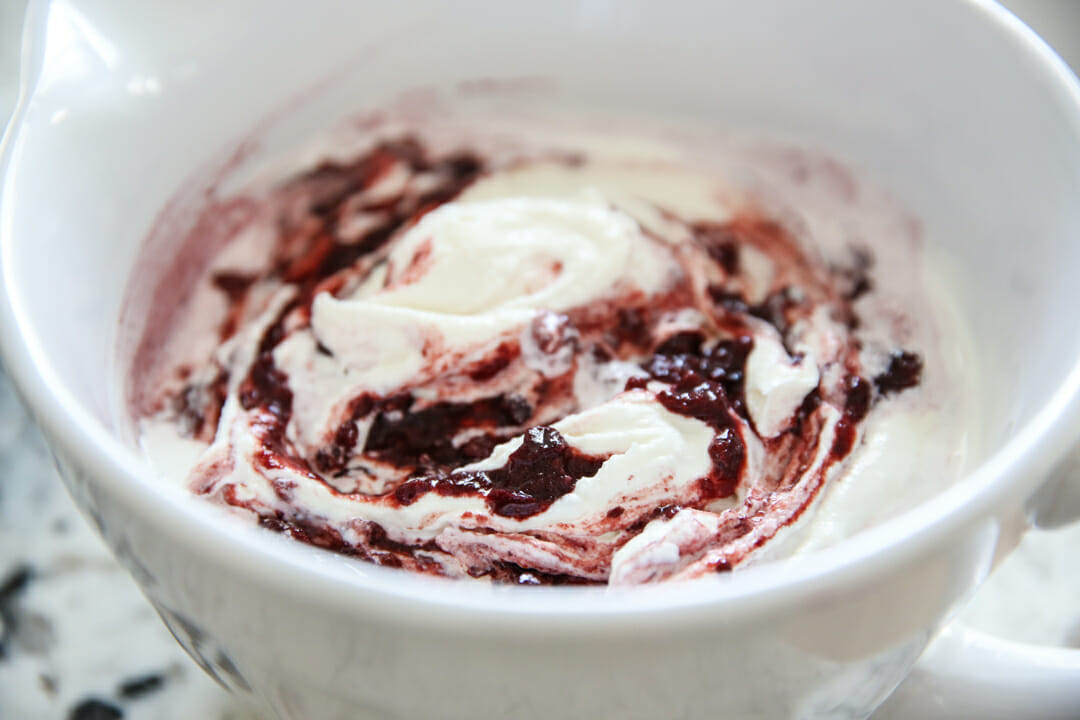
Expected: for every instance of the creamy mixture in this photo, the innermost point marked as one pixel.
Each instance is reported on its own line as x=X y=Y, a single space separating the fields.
x=553 y=361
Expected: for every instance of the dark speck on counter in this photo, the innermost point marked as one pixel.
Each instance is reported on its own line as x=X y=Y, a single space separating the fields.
x=94 y=709
x=141 y=685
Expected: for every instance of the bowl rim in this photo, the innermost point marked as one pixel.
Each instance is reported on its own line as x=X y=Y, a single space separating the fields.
x=1006 y=475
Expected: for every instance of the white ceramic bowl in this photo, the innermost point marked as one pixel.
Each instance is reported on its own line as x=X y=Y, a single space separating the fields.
x=968 y=117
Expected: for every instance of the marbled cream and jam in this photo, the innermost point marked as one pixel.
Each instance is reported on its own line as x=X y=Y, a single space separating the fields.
x=524 y=368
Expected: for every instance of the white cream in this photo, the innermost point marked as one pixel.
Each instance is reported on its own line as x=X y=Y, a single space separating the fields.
x=521 y=253
x=776 y=385
x=638 y=188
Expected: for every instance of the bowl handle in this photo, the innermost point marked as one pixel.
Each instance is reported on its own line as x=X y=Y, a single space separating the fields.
x=967 y=673
x=31 y=56
x=1057 y=502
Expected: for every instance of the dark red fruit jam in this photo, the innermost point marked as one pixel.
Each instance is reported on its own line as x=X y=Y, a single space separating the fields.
x=904 y=371
x=537 y=474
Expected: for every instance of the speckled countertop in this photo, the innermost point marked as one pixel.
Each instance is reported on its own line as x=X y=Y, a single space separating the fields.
x=78 y=641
